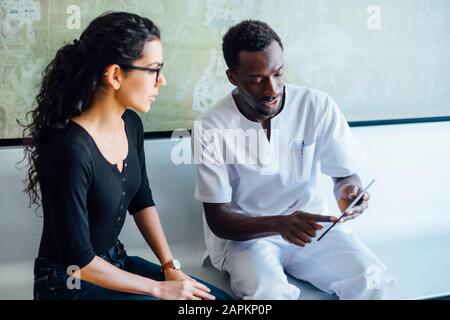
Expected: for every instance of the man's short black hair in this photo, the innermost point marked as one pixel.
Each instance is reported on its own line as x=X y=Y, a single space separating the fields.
x=248 y=35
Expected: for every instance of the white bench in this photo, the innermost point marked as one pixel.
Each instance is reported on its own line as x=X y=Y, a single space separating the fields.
x=407 y=224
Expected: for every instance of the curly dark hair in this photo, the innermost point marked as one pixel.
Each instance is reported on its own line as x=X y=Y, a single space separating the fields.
x=73 y=77
x=248 y=35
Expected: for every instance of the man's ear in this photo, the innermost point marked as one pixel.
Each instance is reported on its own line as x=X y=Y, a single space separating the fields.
x=113 y=76
x=232 y=77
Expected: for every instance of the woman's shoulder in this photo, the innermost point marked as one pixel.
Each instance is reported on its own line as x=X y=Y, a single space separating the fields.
x=70 y=142
x=68 y=153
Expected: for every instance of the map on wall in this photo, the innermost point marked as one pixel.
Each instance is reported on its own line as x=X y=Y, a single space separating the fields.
x=379 y=60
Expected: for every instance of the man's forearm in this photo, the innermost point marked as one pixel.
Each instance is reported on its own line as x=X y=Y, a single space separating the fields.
x=240 y=227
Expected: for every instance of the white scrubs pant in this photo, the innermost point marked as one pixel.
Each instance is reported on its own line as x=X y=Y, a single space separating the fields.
x=339 y=263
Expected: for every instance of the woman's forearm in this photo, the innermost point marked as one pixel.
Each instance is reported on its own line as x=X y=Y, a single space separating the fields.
x=147 y=220
x=102 y=273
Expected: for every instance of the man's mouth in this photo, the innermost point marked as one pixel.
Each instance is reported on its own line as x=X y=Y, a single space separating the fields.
x=271 y=103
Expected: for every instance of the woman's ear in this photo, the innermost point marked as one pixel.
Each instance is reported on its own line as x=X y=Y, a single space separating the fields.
x=113 y=76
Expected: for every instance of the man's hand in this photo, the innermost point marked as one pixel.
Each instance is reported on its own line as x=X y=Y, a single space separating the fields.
x=299 y=227
x=348 y=193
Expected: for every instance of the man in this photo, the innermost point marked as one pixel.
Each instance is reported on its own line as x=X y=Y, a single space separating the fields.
x=262 y=212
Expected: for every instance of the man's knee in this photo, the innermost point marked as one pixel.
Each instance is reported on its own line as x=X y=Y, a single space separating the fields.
x=373 y=283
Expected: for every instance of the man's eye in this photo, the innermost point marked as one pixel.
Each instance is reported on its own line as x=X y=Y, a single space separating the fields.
x=279 y=74
x=256 y=80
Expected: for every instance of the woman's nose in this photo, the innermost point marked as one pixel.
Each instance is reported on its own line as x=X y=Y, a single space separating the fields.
x=161 y=81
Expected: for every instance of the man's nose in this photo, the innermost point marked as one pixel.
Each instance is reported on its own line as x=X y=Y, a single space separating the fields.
x=270 y=88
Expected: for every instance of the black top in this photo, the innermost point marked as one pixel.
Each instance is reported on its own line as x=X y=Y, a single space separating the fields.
x=84 y=197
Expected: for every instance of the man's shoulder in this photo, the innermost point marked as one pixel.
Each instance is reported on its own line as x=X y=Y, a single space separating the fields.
x=307 y=94
x=308 y=101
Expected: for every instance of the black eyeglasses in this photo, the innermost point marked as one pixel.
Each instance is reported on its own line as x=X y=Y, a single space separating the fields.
x=149 y=70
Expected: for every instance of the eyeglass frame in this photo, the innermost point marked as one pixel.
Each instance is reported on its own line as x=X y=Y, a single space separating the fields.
x=150 y=70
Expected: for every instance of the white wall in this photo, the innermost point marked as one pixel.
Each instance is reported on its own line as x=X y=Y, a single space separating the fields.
x=412 y=166
x=407 y=224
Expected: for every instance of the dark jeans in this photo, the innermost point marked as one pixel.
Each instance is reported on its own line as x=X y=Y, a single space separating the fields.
x=51 y=279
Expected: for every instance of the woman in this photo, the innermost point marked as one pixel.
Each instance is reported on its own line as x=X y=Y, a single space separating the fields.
x=86 y=154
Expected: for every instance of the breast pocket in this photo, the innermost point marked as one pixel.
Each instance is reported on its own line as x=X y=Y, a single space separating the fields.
x=303 y=160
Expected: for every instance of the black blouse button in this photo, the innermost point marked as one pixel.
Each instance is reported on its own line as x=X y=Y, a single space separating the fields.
x=123 y=179
x=126 y=164
x=123 y=193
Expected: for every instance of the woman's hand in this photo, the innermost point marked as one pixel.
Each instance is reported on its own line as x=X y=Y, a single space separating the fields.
x=178 y=275
x=172 y=274
x=187 y=289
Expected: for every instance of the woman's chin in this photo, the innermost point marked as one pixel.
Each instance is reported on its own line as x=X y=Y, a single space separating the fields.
x=149 y=107
x=142 y=109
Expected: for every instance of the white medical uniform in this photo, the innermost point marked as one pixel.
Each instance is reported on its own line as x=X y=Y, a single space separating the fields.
x=310 y=135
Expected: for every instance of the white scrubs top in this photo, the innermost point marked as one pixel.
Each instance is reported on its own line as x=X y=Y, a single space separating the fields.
x=310 y=135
